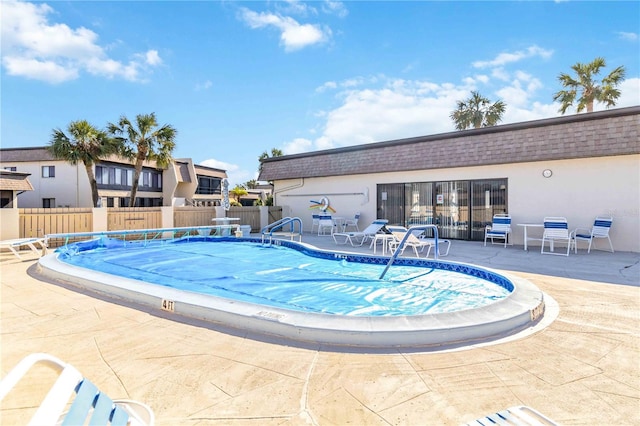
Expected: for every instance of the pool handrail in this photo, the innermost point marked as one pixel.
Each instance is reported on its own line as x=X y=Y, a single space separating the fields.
x=279 y=224
x=404 y=240
x=158 y=231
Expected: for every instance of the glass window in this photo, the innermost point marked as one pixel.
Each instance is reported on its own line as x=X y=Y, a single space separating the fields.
x=48 y=171
x=11 y=169
x=48 y=203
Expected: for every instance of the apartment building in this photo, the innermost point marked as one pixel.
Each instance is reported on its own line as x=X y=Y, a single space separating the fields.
x=57 y=183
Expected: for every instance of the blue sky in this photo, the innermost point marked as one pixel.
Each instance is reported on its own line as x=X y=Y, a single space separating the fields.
x=240 y=78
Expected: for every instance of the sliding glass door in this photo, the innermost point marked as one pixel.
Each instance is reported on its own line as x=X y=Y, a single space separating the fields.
x=461 y=209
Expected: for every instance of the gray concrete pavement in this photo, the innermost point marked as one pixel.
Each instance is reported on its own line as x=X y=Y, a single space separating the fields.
x=582 y=369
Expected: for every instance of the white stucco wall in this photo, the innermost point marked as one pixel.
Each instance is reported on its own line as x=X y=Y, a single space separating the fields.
x=579 y=190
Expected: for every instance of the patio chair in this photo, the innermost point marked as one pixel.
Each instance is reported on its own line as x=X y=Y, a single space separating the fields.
x=500 y=228
x=600 y=229
x=412 y=241
x=353 y=222
x=518 y=415
x=16 y=244
x=87 y=402
x=325 y=222
x=315 y=220
x=358 y=238
x=556 y=230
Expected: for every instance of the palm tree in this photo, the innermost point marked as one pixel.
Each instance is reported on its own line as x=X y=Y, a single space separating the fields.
x=142 y=142
x=251 y=184
x=237 y=192
x=275 y=152
x=476 y=112
x=85 y=144
x=590 y=90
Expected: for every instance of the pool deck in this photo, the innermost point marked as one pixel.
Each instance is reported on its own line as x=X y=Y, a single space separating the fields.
x=584 y=368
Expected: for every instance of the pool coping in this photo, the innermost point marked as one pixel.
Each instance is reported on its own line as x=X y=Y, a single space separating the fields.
x=521 y=310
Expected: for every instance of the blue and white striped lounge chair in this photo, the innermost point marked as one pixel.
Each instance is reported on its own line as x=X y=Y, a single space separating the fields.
x=519 y=415
x=556 y=230
x=500 y=228
x=600 y=229
x=358 y=238
x=88 y=404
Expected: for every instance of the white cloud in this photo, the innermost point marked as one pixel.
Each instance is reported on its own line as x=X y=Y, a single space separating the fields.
x=396 y=108
x=204 y=86
x=293 y=35
x=153 y=58
x=629 y=93
x=628 y=36
x=507 y=58
x=53 y=52
x=335 y=8
x=296 y=146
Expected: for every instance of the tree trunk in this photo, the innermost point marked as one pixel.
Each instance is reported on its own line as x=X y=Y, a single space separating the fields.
x=136 y=179
x=93 y=183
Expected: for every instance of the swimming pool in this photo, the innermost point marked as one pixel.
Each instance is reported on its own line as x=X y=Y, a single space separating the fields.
x=295 y=291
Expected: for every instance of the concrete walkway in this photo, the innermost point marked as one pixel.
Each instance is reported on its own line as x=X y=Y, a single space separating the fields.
x=582 y=369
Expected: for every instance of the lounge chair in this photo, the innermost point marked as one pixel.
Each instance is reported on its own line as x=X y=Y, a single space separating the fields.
x=421 y=236
x=600 y=229
x=358 y=238
x=14 y=245
x=518 y=415
x=412 y=241
x=500 y=228
x=88 y=402
x=556 y=230
x=353 y=222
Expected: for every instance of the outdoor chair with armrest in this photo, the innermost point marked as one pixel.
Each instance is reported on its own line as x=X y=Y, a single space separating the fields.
x=600 y=229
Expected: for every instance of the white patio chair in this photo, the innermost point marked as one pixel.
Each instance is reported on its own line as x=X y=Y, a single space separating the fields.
x=556 y=230
x=600 y=229
x=500 y=228
x=353 y=222
x=88 y=404
x=325 y=223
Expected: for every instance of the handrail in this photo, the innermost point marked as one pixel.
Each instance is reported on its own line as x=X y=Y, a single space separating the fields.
x=279 y=224
x=404 y=240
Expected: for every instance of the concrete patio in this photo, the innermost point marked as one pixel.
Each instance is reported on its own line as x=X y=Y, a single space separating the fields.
x=582 y=369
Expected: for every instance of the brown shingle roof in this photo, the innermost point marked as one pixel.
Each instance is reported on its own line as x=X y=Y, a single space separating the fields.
x=14 y=181
x=604 y=133
x=27 y=155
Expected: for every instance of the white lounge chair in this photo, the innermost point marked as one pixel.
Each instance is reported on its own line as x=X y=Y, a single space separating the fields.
x=14 y=245
x=518 y=415
x=358 y=238
x=412 y=241
x=87 y=402
x=421 y=236
x=600 y=229
x=500 y=228
x=556 y=230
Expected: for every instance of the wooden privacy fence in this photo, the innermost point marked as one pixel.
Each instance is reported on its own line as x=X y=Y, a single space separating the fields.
x=192 y=216
x=40 y=222
x=120 y=218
